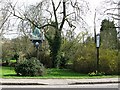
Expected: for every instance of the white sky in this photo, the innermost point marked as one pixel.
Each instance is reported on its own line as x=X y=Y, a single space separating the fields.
x=93 y=4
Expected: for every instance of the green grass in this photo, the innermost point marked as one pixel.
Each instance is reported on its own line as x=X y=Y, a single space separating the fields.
x=8 y=72
x=13 y=61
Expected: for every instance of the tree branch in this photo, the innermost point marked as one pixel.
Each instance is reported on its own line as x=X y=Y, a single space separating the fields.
x=110 y=9
x=32 y=22
x=114 y=14
x=58 y=6
x=70 y=14
x=64 y=16
x=4 y=23
x=50 y=13
x=55 y=15
x=116 y=18
x=70 y=24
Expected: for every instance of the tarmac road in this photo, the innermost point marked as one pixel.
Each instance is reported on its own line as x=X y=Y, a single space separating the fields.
x=59 y=84
x=114 y=85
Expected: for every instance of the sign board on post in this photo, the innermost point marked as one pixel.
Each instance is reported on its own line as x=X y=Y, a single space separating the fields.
x=97 y=47
x=98 y=40
x=36 y=35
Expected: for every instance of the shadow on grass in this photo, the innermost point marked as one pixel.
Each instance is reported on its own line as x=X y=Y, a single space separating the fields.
x=11 y=75
x=53 y=73
x=64 y=72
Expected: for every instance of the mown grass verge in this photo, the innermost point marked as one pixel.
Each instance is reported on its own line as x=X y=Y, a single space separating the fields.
x=8 y=72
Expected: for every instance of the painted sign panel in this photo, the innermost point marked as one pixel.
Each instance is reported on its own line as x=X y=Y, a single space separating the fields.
x=98 y=41
x=36 y=35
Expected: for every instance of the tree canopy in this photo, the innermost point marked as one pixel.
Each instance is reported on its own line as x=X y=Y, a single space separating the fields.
x=108 y=34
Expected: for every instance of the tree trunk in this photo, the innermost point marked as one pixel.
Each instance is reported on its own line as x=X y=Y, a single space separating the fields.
x=55 y=47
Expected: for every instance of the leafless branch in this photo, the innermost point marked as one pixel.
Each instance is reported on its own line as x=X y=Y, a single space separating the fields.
x=116 y=18
x=58 y=6
x=3 y=24
x=113 y=14
x=64 y=15
x=49 y=13
x=5 y=21
x=110 y=9
x=70 y=24
x=70 y=14
x=55 y=15
x=26 y=18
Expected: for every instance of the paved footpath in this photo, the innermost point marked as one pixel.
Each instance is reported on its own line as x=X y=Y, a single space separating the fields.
x=57 y=81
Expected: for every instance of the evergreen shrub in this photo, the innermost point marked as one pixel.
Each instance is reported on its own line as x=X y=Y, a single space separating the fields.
x=30 y=67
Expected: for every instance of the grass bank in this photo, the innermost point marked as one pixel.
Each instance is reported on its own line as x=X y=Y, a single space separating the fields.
x=8 y=72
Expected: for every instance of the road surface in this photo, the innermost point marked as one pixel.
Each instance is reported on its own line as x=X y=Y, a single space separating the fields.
x=115 y=85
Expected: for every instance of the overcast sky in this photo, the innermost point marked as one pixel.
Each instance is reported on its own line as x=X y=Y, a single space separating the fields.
x=93 y=4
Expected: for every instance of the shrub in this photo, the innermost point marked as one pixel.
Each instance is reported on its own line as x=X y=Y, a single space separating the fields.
x=109 y=61
x=30 y=67
x=61 y=60
x=85 y=59
x=96 y=73
x=45 y=59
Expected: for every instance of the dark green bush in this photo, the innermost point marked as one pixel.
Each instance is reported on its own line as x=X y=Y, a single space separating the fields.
x=62 y=60
x=30 y=67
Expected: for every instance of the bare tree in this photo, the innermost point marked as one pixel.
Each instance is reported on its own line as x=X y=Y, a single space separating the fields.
x=4 y=16
x=59 y=15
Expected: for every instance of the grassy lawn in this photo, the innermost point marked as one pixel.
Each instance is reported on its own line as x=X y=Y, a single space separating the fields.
x=8 y=72
x=12 y=61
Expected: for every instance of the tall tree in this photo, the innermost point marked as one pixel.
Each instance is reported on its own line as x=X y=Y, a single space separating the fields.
x=112 y=11
x=58 y=15
x=108 y=34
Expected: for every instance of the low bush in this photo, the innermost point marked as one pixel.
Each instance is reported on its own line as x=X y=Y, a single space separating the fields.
x=30 y=67
x=85 y=59
x=45 y=59
x=109 y=61
x=96 y=73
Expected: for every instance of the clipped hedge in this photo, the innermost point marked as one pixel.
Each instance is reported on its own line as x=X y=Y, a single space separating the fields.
x=30 y=67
